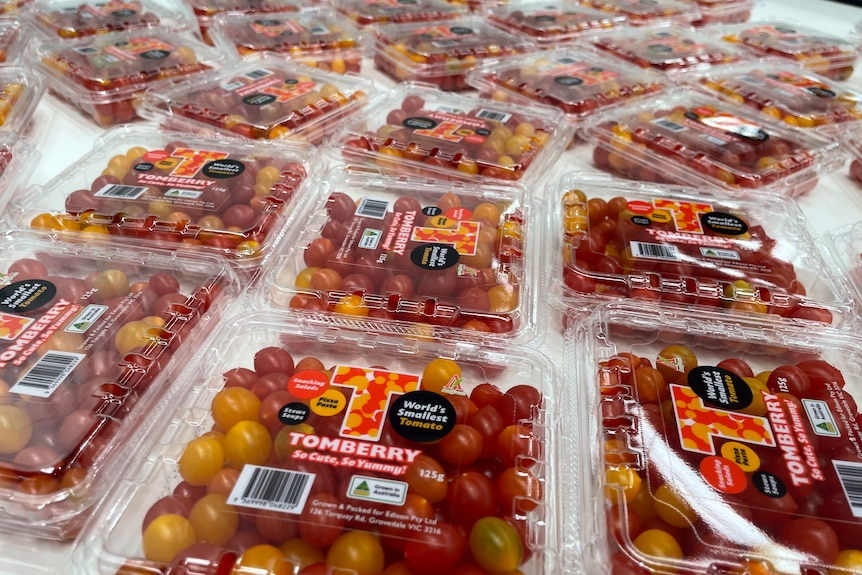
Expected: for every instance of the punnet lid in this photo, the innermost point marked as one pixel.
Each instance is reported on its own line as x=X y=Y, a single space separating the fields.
x=555 y=22
x=75 y=19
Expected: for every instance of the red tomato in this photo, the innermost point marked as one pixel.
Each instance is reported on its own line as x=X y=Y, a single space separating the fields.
x=426 y=477
x=519 y=403
x=471 y=496
x=436 y=551
x=517 y=445
x=518 y=491
x=461 y=446
x=790 y=379
x=811 y=536
x=488 y=422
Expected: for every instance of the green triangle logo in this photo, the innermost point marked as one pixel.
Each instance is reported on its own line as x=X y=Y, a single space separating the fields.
x=362 y=489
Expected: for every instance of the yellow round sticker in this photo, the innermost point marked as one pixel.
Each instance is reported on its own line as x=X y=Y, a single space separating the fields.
x=332 y=402
x=742 y=455
x=442 y=221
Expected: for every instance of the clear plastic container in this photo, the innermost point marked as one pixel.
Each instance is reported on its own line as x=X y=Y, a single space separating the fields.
x=369 y=12
x=106 y=74
x=692 y=137
x=612 y=239
x=143 y=185
x=411 y=256
x=76 y=19
x=442 y=53
x=827 y=55
x=418 y=130
x=267 y=98
x=846 y=243
x=92 y=339
x=18 y=160
x=206 y=10
x=691 y=463
x=344 y=454
x=782 y=90
x=320 y=38
x=648 y=12
x=15 y=7
x=669 y=48
x=851 y=138
x=479 y=6
x=555 y=23
x=722 y=11
x=12 y=40
x=21 y=91
x=578 y=81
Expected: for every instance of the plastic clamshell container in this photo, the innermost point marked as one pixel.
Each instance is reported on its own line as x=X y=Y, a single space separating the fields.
x=12 y=40
x=410 y=256
x=830 y=56
x=669 y=49
x=267 y=98
x=722 y=11
x=648 y=12
x=442 y=52
x=734 y=472
x=76 y=19
x=578 y=81
x=21 y=90
x=143 y=185
x=92 y=338
x=370 y=12
x=18 y=160
x=555 y=23
x=206 y=10
x=614 y=239
x=419 y=130
x=693 y=137
x=15 y=7
x=851 y=139
x=346 y=446
x=782 y=90
x=105 y=75
x=846 y=244
x=319 y=37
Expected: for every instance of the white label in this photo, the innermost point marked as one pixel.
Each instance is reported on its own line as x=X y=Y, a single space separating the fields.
x=377 y=490
x=85 y=320
x=369 y=239
x=271 y=488
x=120 y=191
x=821 y=418
x=180 y=193
x=47 y=374
x=494 y=115
x=669 y=125
x=850 y=474
x=721 y=254
x=371 y=208
x=654 y=251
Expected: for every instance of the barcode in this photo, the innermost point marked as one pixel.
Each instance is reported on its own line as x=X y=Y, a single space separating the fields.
x=47 y=374
x=371 y=208
x=259 y=73
x=850 y=475
x=492 y=115
x=673 y=126
x=270 y=488
x=117 y=191
x=654 y=251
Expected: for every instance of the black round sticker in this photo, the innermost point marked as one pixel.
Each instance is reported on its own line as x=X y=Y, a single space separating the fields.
x=720 y=388
x=641 y=220
x=220 y=169
x=422 y=416
x=434 y=256
x=461 y=30
x=411 y=2
x=419 y=123
x=293 y=413
x=820 y=92
x=769 y=484
x=258 y=99
x=785 y=30
x=568 y=81
x=26 y=295
x=144 y=167
x=432 y=211
x=125 y=13
x=722 y=223
x=545 y=18
x=659 y=48
x=268 y=23
x=155 y=54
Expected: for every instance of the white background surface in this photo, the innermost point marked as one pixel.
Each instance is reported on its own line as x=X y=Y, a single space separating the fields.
x=62 y=134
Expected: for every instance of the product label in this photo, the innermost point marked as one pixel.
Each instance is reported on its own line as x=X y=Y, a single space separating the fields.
x=274 y=27
x=454 y=128
x=266 y=87
x=443 y=36
x=377 y=490
x=101 y=10
x=668 y=45
x=270 y=488
x=85 y=320
x=147 y=48
x=794 y=84
x=570 y=72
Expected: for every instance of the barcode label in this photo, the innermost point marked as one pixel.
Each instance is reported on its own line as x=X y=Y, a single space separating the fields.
x=492 y=115
x=667 y=124
x=654 y=251
x=270 y=488
x=258 y=74
x=371 y=208
x=118 y=191
x=47 y=374
x=850 y=475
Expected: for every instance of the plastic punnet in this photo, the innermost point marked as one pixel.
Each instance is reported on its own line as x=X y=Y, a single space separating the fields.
x=722 y=11
x=206 y=10
x=411 y=256
x=369 y=12
x=417 y=130
x=648 y=12
x=267 y=98
x=75 y=19
x=18 y=160
x=694 y=137
x=91 y=339
x=12 y=40
x=106 y=74
x=20 y=92
x=846 y=243
x=612 y=239
x=142 y=185
x=351 y=453
x=715 y=445
x=553 y=24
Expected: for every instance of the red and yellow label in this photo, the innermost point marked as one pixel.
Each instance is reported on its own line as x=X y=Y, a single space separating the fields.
x=373 y=390
x=464 y=238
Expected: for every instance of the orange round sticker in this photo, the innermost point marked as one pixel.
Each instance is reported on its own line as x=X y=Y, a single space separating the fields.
x=459 y=214
x=308 y=384
x=723 y=474
x=639 y=207
x=155 y=156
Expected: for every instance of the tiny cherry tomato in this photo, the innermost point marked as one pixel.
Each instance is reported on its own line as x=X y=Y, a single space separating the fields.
x=356 y=552
x=202 y=458
x=426 y=477
x=435 y=551
x=518 y=445
x=675 y=361
x=659 y=544
x=166 y=536
x=495 y=545
x=440 y=373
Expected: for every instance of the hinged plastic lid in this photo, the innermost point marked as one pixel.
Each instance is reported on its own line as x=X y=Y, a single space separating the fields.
x=75 y=19
x=12 y=40
x=553 y=23
x=646 y=12
x=367 y=12
x=21 y=90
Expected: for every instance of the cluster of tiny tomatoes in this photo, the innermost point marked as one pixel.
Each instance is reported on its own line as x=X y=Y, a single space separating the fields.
x=234 y=215
x=623 y=148
x=380 y=283
x=653 y=527
x=85 y=21
x=367 y=13
x=472 y=491
x=816 y=53
x=546 y=27
x=685 y=51
x=9 y=95
x=48 y=444
x=504 y=153
x=641 y=13
x=598 y=258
